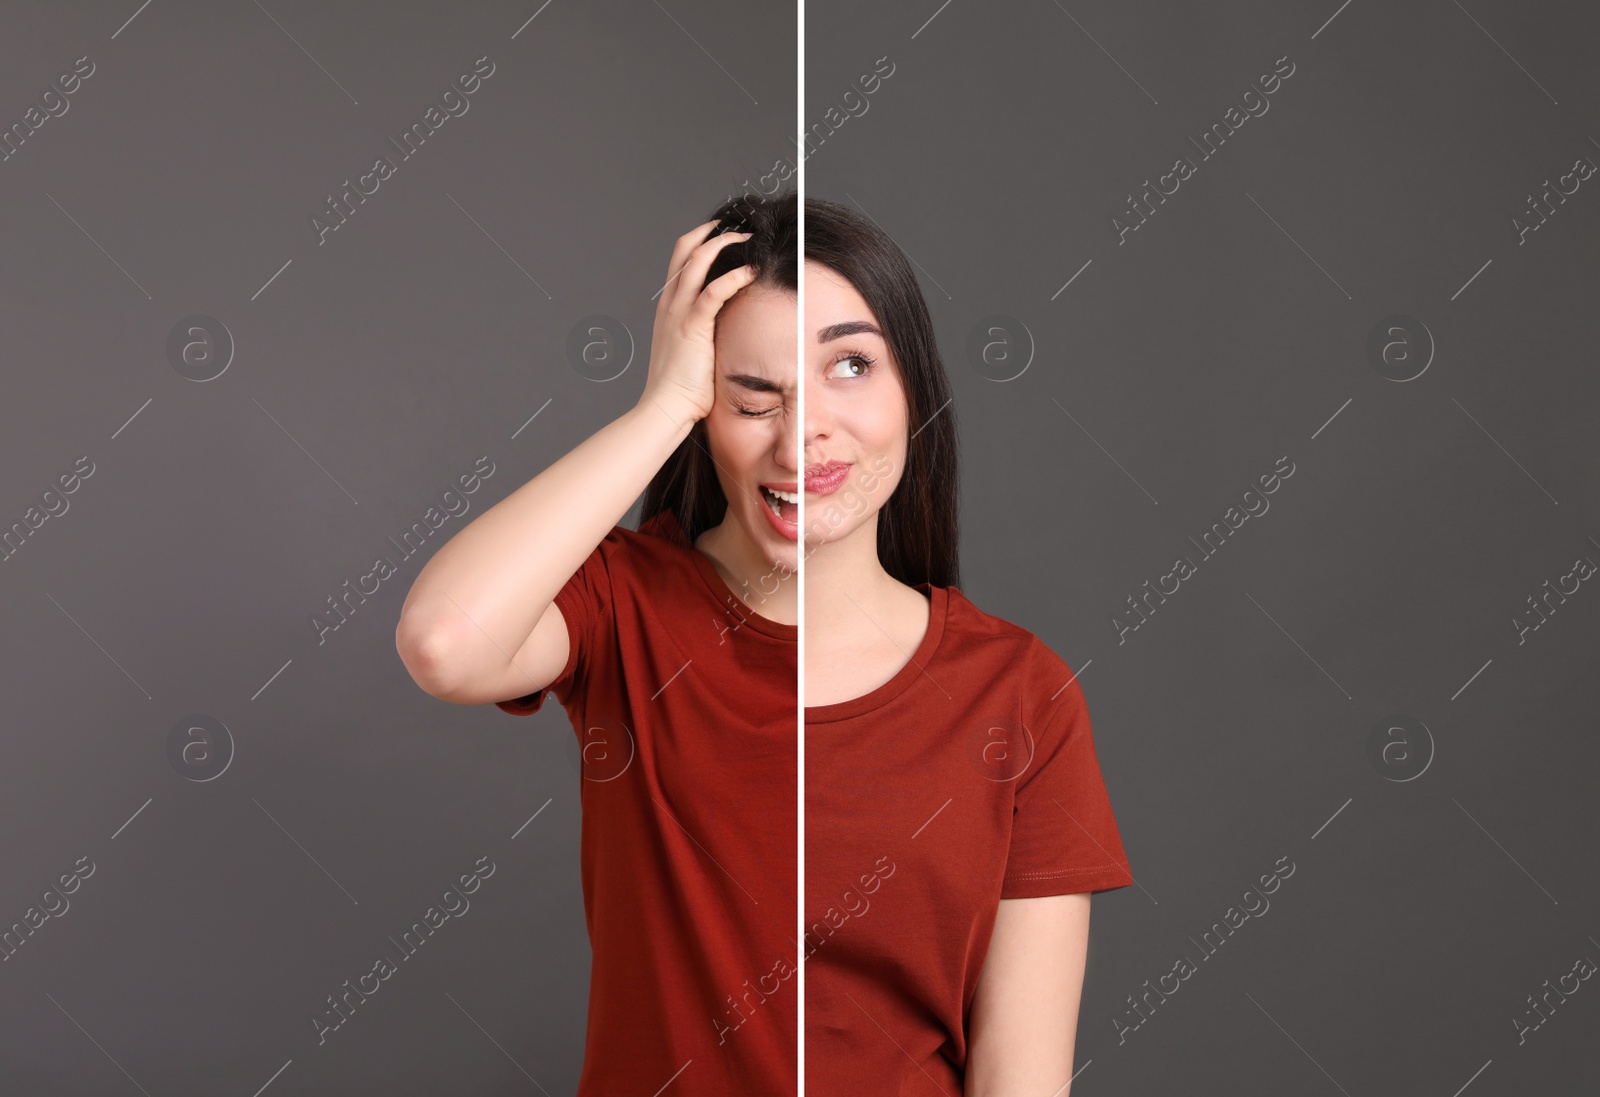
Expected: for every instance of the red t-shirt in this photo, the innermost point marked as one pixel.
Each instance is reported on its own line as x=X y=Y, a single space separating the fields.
x=967 y=778
x=684 y=702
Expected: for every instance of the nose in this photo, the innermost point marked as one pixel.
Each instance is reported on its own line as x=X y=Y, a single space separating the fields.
x=785 y=453
x=817 y=422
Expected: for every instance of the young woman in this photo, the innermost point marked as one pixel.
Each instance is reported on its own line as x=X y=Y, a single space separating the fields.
x=956 y=818
x=673 y=650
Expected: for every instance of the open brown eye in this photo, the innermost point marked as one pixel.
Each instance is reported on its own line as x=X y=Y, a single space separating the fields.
x=866 y=363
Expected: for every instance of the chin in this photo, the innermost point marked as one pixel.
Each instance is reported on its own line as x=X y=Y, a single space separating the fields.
x=786 y=557
x=818 y=532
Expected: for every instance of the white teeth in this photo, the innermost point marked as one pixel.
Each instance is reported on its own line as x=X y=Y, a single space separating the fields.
x=771 y=498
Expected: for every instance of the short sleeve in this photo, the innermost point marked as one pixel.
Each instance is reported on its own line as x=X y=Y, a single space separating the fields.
x=1064 y=837
x=586 y=606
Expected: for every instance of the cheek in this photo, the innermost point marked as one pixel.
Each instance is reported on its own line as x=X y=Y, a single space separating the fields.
x=736 y=442
x=876 y=488
x=879 y=426
x=718 y=441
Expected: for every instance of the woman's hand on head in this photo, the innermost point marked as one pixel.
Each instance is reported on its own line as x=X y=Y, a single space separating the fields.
x=682 y=352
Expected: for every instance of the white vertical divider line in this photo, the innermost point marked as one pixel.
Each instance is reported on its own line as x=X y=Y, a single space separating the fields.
x=800 y=558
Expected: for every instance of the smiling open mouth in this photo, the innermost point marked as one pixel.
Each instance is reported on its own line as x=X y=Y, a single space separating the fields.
x=783 y=504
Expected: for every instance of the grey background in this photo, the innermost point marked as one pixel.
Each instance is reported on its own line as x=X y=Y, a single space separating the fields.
x=1176 y=368
x=371 y=371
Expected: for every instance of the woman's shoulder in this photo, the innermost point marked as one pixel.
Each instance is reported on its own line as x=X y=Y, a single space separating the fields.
x=1020 y=649
x=643 y=556
x=663 y=526
x=968 y=616
x=658 y=538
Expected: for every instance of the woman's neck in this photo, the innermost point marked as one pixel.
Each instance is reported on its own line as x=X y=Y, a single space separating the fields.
x=766 y=588
x=847 y=587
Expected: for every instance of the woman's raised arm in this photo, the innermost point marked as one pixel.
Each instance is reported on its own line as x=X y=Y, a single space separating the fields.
x=480 y=623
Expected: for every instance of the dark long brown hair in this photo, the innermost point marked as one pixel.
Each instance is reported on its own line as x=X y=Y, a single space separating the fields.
x=687 y=484
x=918 y=527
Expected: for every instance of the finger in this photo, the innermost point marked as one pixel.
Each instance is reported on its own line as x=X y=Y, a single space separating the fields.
x=682 y=246
x=694 y=271
x=685 y=245
x=681 y=249
x=716 y=294
x=688 y=242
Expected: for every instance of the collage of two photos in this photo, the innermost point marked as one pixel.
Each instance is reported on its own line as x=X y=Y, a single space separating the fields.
x=890 y=550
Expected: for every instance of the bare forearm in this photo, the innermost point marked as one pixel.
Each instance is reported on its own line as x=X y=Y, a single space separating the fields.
x=497 y=576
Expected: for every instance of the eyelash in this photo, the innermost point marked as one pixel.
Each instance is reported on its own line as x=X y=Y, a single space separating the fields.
x=845 y=356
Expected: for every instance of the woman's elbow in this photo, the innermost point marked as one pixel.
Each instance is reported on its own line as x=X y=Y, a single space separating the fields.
x=426 y=651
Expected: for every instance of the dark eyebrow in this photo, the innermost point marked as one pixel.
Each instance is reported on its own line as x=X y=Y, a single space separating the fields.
x=849 y=327
x=753 y=382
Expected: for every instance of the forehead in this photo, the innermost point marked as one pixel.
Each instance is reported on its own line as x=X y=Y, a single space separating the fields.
x=831 y=299
x=755 y=332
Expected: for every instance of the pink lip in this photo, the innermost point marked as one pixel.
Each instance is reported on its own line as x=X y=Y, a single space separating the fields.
x=787 y=530
x=825 y=479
